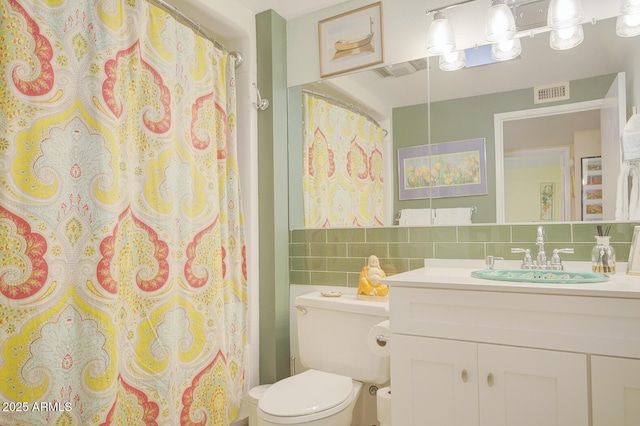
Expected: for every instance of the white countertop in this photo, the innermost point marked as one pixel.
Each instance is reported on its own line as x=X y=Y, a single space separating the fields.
x=453 y=274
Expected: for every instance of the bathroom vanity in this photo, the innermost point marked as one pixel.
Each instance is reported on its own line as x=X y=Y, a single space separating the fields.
x=467 y=351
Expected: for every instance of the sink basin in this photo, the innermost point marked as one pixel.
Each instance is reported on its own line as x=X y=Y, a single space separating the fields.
x=540 y=276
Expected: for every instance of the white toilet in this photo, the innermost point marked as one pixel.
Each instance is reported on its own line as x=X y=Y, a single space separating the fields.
x=333 y=334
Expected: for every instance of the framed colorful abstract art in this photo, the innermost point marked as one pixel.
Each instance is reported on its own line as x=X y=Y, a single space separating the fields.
x=453 y=169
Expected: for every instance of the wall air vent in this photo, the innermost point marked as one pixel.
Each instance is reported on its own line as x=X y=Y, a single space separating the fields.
x=551 y=93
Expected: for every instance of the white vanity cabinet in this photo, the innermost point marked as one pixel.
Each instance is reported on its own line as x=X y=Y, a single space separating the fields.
x=616 y=391
x=455 y=383
x=495 y=357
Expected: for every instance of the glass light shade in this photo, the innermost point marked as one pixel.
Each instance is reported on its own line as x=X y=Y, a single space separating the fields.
x=630 y=7
x=505 y=50
x=453 y=61
x=564 y=14
x=500 y=24
x=628 y=25
x=440 y=38
x=566 y=38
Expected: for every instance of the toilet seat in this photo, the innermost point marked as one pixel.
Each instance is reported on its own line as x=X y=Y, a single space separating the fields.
x=307 y=396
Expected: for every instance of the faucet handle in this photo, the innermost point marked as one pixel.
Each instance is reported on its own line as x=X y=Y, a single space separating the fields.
x=556 y=263
x=527 y=262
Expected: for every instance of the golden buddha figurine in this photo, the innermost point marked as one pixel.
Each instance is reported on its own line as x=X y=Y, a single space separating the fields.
x=369 y=285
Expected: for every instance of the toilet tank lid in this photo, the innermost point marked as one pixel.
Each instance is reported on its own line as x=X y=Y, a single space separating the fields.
x=346 y=302
x=306 y=393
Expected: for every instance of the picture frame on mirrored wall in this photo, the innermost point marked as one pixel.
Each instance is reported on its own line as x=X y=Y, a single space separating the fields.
x=351 y=40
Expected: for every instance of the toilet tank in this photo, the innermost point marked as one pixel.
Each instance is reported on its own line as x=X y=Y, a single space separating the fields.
x=333 y=336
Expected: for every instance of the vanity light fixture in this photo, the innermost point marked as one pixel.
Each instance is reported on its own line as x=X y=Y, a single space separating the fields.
x=630 y=7
x=500 y=24
x=564 y=20
x=505 y=50
x=440 y=38
x=566 y=38
x=628 y=24
x=453 y=61
x=564 y=14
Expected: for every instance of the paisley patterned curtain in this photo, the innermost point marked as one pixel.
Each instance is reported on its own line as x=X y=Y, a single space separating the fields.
x=342 y=166
x=122 y=253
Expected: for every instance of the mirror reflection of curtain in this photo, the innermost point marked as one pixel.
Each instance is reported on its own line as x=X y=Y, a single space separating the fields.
x=342 y=166
x=122 y=263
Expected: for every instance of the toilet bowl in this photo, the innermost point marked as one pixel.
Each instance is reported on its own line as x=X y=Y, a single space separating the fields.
x=339 y=360
x=313 y=398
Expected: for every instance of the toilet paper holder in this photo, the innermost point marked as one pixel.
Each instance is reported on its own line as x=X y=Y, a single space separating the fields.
x=382 y=340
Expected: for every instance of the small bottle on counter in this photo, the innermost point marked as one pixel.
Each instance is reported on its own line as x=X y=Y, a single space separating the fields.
x=603 y=256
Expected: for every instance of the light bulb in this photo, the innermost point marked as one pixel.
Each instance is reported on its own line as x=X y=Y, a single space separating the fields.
x=566 y=38
x=505 y=50
x=628 y=25
x=564 y=13
x=630 y=7
x=440 y=38
x=453 y=61
x=500 y=23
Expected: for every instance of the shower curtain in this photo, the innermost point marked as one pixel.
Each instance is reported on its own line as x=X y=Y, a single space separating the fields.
x=342 y=166
x=122 y=254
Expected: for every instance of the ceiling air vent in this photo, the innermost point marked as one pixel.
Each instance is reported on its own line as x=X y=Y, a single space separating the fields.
x=551 y=93
x=405 y=68
x=383 y=72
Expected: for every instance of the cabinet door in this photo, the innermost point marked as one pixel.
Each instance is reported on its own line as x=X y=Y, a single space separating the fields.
x=531 y=387
x=615 y=391
x=434 y=382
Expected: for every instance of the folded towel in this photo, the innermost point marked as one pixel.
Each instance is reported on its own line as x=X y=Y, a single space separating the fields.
x=415 y=217
x=453 y=216
x=628 y=193
x=631 y=138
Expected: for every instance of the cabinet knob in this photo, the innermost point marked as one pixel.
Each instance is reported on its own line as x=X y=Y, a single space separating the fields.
x=490 y=379
x=464 y=376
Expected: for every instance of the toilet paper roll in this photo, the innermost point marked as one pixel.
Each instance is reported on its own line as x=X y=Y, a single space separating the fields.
x=379 y=339
x=383 y=401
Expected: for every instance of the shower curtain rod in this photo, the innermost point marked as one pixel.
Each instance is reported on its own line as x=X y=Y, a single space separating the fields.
x=345 y=104
x=190 y=22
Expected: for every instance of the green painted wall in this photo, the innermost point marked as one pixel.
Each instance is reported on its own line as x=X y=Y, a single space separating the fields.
x=273 y=215
x=470 y=118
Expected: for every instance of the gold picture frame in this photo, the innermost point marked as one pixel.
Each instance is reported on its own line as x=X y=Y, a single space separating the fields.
x=351 y=40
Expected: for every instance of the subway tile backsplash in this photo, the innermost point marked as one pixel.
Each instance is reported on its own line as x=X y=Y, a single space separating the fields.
x=336 y=256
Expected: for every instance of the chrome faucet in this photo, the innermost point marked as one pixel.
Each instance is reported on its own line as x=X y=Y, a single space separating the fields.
x=541 y=259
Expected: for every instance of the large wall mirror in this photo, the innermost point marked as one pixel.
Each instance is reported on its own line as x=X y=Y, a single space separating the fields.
x=528 y=144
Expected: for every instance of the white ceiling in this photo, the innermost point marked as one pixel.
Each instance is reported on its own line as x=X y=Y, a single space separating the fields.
x=598 y=58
